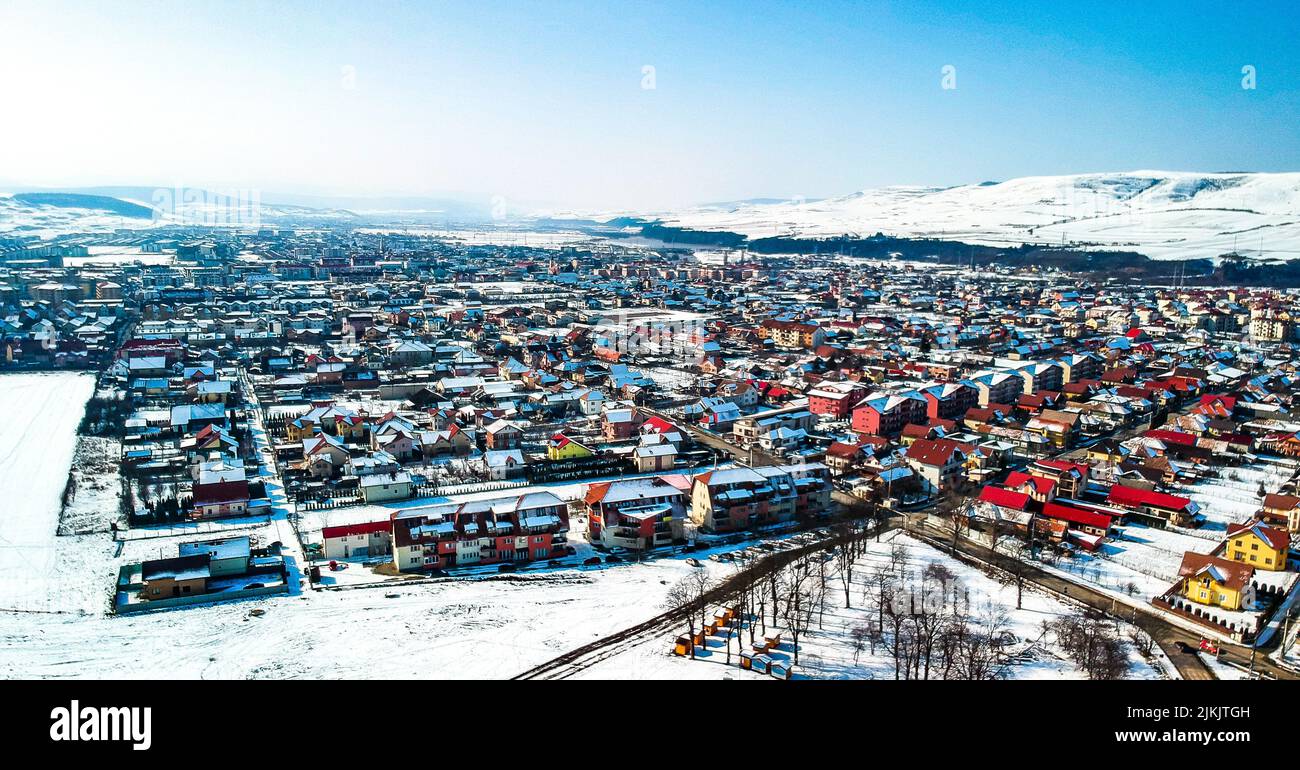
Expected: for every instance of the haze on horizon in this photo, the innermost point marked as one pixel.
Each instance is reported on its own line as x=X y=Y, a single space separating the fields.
x=551 y=105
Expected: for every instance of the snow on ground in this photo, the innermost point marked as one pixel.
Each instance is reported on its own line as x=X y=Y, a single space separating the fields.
x=1233 y=496
x=113 y=255
x=40 y=571
x=466 y=629
x=1223 y=670
x=828 y=653
x=1152 y=551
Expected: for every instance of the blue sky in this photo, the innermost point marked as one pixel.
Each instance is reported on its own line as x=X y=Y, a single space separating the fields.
x=542 y=103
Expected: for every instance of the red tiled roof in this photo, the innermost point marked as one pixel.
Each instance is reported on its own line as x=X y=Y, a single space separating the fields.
x=364 y=528
x=1134 y=497
x=1018 y=479
x=1172 y=437
x=932 y=451
x=1276 y=538
x=1004 y=497
x=1076 y=515
x=1233 y=574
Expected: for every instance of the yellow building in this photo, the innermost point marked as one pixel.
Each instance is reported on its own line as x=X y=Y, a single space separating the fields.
x=334 y=420
x=1258 y=545
x=1217 y=582
x=561 y=447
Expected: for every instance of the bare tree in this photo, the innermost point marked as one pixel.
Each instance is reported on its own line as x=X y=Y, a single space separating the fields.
x=846 y=553
x=1093 y=643
x=801 y=588
x=1142 y=642
x=689 y=593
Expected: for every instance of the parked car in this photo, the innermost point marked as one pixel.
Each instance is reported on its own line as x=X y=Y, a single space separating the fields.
x=593 y=561
x=505 y=568
x=1184 y=647
x=613 y=558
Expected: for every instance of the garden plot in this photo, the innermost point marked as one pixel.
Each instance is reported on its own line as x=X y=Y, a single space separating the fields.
x=1234 y=496
x=1154 y=552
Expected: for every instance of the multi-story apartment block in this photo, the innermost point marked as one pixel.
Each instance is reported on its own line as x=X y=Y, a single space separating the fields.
x=638 y=514
x=885 y=414
x=506 y=529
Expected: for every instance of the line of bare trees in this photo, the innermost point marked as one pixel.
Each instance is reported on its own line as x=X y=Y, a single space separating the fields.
x=1093 y=642
x=786 y=593
x=926 y=623
x=924 y=620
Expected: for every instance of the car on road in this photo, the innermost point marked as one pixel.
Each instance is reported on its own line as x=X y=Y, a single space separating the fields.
x=1184 y=647
x=506 y=568
x=613 y=558
x=1209 y=647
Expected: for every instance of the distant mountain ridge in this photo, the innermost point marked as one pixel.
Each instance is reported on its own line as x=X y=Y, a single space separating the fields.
x=49 y=212
x=80 y=201
x=1163 y=214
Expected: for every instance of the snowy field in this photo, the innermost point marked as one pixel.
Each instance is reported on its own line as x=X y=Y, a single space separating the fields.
x=40 y=571
x=462 y=629
x=829 y=652
x=1233 y=496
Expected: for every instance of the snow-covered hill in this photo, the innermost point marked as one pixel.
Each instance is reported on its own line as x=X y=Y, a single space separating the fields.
x=1163 y=214
x=52 y=214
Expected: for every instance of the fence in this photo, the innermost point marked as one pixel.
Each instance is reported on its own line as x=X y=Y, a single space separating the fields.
x=125 y=607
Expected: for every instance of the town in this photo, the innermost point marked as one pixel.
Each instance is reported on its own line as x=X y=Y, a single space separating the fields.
x=774 y=447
